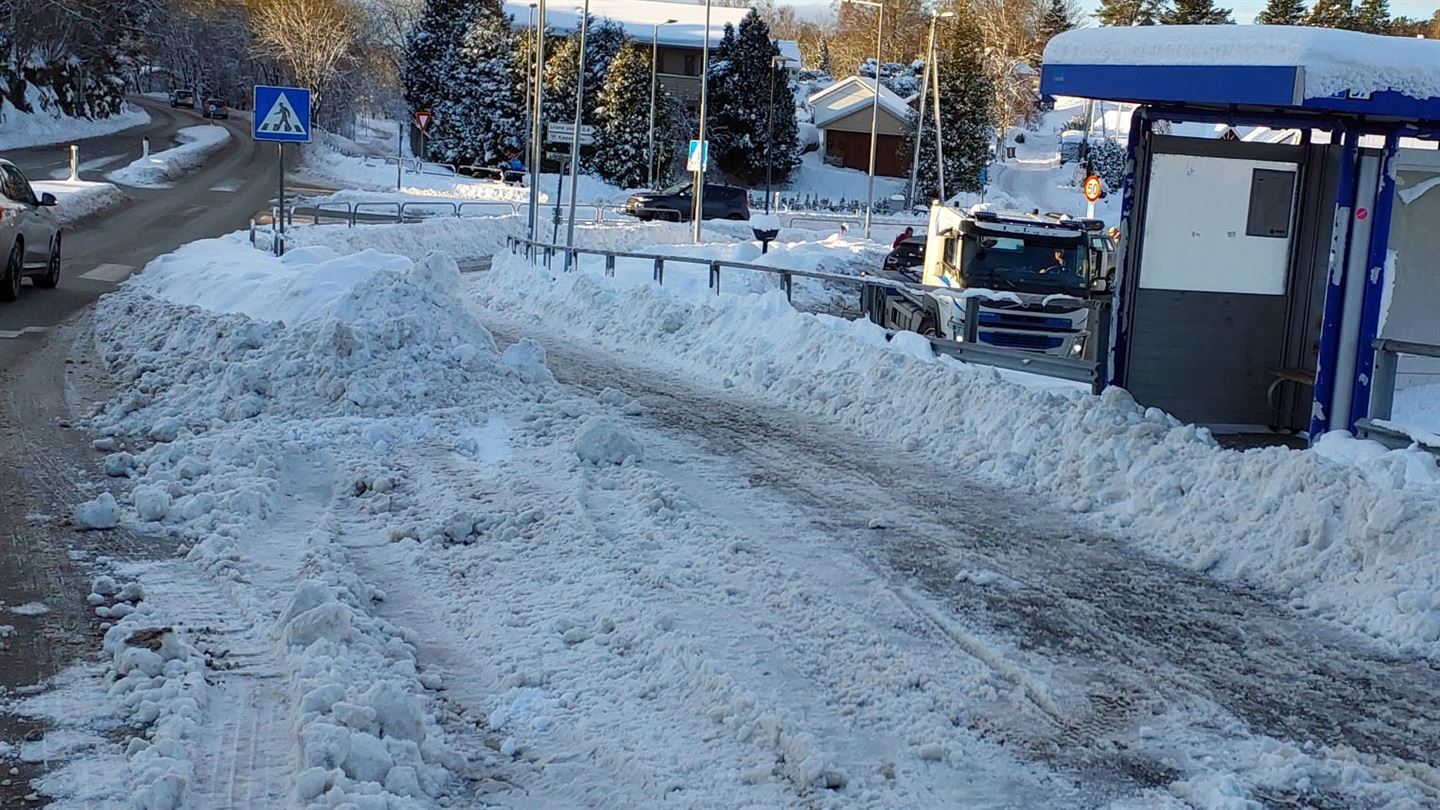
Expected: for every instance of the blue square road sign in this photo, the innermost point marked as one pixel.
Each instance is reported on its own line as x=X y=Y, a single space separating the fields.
x=282 y=114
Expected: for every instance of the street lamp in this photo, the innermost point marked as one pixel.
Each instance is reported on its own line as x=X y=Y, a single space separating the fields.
x=537 y=124
x=874 y=107
x=931 y=69
x=698 y=187
x=654 y=82
x=770 y=127
x=529 y=75
x=575 y=135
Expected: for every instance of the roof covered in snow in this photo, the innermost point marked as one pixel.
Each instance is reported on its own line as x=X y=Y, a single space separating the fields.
x=854 y=93
x=638 y=18
x=1316 y=69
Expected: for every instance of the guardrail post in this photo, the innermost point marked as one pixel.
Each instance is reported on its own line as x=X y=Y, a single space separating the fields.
x=610 y=265
x=1099 y=344
x=660 y=271
x=788 y=282
x=1382 y=389
x=972 y=319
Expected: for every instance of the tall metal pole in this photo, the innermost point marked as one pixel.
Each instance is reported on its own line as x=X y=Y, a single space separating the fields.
x=537 y=115
x=939 y=132
x=770 y=135
x=920 y=126
x=280 y=237
x=575 y=136
x=874 y=120
x=654 y=85
x=699 y=184
x=529 y=73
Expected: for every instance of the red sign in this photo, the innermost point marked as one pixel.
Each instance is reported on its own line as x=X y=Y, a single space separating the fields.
x=1092 y=188
x=1361 y=214
x=423 y=119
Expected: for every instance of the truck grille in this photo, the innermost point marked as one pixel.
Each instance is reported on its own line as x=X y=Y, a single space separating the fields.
x=1021 y=340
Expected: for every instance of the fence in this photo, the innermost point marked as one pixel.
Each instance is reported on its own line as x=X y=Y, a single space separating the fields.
x=1382 y=397
x=417 y=166
x=1089 y=369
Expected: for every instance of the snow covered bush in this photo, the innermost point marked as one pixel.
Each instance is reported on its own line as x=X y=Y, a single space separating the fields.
x=1107 y=159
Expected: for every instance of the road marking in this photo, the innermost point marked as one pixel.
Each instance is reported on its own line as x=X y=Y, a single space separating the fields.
x=113 y=273
x=11 y=334
x=227 y=186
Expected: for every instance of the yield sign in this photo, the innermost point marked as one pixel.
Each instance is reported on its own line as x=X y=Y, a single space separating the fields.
x=423 y=119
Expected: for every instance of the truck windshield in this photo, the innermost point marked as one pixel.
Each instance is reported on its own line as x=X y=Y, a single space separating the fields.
x=1009 y=263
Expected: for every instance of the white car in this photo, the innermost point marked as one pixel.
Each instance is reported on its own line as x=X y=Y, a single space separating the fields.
x=29 y=234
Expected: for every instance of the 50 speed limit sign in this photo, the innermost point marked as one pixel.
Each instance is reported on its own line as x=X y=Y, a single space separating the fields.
x=1092 y=188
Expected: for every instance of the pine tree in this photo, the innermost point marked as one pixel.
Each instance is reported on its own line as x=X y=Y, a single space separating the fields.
x=965 y=115
x=824 y=64
x=1331 y=14
x=1130 y=12
x=1196 y=12
x=433 y=50
x=1282 y=12
x=622 y=118
x=1056 y=20
x=740 y=75
x=483 y=119
x=1373 y=16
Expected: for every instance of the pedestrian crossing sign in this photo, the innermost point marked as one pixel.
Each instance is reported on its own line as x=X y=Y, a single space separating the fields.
x=281 y=114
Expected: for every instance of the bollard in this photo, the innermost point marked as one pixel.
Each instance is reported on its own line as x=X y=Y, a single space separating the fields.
x=74 y=163
x=145 y=147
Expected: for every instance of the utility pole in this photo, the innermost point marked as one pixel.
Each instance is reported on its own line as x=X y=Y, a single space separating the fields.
x=537 y=115
x=699 y=185
x=575 y=136
x=654 y=85
x=874 y=108
x=931 y=69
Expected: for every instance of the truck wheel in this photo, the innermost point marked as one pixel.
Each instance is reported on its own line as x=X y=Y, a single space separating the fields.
x=51 y=279
x=10 y=283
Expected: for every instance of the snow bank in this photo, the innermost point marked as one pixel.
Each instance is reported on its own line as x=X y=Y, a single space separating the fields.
x=1333 y=61
x=160 y=168
x=1358 y=545
x=79 y=199
x=19 y=130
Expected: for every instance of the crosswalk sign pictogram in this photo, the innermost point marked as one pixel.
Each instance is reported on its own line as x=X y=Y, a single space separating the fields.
x=282 y=114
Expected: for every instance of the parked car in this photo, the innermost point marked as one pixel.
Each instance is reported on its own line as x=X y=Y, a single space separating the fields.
x=29 y=234
x=182 y=98
x=216 y=108
x=908 y=257
x=677 y=203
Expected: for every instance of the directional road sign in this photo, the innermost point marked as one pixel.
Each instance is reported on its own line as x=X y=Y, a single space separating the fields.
x=698 y=159
x=557 y=132
x=281 y=114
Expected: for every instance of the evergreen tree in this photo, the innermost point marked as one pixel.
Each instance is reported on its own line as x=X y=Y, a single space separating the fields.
x=1282 y=12
x=1331 y=14
x=1373 y=16
x=603 y=40
x=483 y=118
x=432 y=51
x=740 y=77
x=825 y=64
x=1130 y=12
x=622 y=118
x=965 y=115
x=1196 y=12
x=1056 y=20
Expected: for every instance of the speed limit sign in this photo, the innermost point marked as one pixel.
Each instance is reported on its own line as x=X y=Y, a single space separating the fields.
x=1092 y=188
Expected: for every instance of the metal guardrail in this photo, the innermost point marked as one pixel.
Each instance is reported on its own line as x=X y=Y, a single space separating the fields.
x=418 y=210
x=1088 y=370
x=416 y=166
x=1382 y=397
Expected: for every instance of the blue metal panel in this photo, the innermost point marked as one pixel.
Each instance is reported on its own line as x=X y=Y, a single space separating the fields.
x=1320 y=416
x=1383 y=104
x=1374 y=285
x=1269 y=86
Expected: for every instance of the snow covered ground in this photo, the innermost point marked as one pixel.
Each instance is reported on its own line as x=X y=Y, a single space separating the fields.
x=159 y=169
x=79 y=199
x=19 y=130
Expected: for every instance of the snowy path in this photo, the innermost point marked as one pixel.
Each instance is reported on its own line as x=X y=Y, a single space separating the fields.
x=1068 y=645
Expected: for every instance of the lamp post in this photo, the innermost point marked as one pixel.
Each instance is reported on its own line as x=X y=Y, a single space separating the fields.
x=770 y=128
x=931 y=69
x=537 y=122
x=874 y=107
x=575 y=136
x=698 y=187
x=654 y=82
x=529 y=76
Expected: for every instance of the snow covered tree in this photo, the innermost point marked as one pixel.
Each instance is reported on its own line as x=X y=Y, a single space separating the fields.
x=1129 y=12
x=1282 y=12
x=1058 y=18
x=433 y=50
x=482 y=118
x=1331 y=14
x=1373 y=16
x=1196 y=12
x=739 y=101
x=622 y=118
x=603 y=40
x=965 y=115
x=825 y=64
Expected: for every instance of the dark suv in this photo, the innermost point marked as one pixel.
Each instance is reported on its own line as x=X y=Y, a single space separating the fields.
x=677 y=203
x=908 y=257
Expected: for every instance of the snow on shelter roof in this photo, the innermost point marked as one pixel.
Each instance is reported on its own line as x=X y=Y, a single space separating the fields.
x=1316 y=69
x=638 y=18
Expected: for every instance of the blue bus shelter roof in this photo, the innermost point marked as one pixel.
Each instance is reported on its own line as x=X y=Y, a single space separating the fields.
x=1274 y=68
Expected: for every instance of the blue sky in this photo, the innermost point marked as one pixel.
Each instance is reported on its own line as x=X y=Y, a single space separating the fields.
x=1245 y=10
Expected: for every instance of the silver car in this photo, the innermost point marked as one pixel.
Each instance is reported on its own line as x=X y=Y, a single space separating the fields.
x=29 y=234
